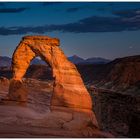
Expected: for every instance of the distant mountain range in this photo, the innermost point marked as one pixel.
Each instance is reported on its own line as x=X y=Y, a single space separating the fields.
x=94 y=60
x=6 y=61
x=76 y=59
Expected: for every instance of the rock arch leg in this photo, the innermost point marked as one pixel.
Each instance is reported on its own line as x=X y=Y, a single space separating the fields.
x=69 y=89
x=20 y=62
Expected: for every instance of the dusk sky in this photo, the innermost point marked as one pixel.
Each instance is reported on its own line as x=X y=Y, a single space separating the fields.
x=87 y=29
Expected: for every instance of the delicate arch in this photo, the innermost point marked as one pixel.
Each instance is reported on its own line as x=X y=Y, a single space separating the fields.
x=69 y=89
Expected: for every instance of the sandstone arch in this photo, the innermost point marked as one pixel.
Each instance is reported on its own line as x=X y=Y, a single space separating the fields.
x=69 y=89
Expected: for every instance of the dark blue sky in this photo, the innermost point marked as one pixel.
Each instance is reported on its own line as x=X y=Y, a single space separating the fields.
x=87 y=29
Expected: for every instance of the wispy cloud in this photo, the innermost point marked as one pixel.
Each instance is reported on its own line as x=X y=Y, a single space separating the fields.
x=51 y=3
x=87 y=6
x=74 y=9
x=90 y=6
x=12 y=10
x=99 y=24
x=127 y=13
x=87 y=25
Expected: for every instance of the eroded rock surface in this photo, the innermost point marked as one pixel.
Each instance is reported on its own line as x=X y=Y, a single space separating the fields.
x=35 y=119
x=4 y=81
x=117 y=113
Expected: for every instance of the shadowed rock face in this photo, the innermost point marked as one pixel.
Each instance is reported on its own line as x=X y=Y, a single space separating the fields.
x=69 y=89
x=117 y=113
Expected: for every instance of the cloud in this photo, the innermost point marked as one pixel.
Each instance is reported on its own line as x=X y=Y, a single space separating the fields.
x=74 y=9
x=99 y=24
x=127 y=13
x=102 y=9
x=87 y=25
x=12 y=10
x=23 y=30
x=84 y=6
x=90 y=6
x=51 y=3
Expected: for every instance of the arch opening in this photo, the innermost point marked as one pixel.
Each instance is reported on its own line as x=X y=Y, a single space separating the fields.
x=39 y=70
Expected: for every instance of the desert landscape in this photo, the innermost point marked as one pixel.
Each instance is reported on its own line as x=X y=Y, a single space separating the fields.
x=70 y=105
x=115 y=101
x=69 y=69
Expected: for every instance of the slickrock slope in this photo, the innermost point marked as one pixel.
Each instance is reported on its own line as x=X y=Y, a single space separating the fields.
x=35 y=119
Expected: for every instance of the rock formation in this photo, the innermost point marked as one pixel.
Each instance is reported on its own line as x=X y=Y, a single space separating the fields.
x=117 y=113
x=69 y=93
x=69 y=89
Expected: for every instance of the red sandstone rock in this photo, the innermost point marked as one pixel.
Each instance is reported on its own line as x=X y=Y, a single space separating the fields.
x=4 y=81
x=17 y=91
